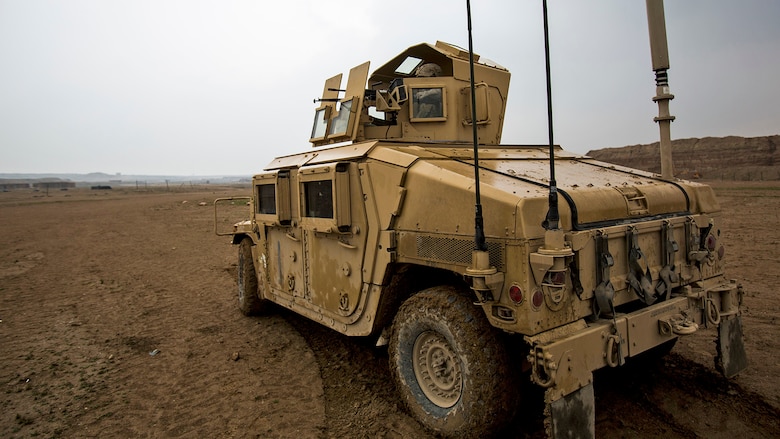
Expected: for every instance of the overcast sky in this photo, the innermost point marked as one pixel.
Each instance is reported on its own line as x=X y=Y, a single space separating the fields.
x=186 y=87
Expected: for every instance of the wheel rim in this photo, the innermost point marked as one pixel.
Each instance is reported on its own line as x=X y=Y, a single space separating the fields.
x=437 y=369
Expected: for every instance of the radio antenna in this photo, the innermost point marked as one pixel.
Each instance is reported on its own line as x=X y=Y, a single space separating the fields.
x=481 y=274
x=479 y=231
x=551 y=222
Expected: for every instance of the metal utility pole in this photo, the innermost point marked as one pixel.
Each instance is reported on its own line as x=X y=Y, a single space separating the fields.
x=659 y=52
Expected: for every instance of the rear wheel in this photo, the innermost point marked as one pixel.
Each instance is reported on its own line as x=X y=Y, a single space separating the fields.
x=250 y=300
x=450 y=366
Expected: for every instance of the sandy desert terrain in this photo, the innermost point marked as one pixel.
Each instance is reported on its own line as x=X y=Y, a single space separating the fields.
x=118 y=318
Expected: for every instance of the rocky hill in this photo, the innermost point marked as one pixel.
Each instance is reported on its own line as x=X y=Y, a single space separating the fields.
x=710 y=158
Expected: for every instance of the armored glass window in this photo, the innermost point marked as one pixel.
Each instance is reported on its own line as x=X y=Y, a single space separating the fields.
x=408 y=66
x=318 y=196
x=266 y=199
x=428 y=103
x=341 y=121
x=320 y=124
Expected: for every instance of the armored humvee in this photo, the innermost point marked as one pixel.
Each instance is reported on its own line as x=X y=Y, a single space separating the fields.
x=370 y=234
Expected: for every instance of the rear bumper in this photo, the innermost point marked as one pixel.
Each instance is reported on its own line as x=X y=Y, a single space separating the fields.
x=563 y=359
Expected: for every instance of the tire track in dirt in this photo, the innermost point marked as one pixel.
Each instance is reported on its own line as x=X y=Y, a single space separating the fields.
x=360 y=397
x=123 y=276
x=128 y=273
x=671 y=397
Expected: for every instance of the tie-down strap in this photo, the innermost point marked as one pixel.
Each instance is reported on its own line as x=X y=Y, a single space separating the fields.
x=639 y=277
x=668 y=275
x=605 y=292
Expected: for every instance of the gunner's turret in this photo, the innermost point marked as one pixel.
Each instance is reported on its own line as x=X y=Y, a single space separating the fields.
x=421 y=95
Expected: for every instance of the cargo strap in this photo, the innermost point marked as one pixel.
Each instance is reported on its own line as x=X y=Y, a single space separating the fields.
x=604 y=296
x=604 y=292
x=668 y=275
x=639 y=277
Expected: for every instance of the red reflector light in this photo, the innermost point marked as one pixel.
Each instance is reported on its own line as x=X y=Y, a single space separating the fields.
x=537 y=299
x=711 y=241
x=721 y=252
x=516 y=294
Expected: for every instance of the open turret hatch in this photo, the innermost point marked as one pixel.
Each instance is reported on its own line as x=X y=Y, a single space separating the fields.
x=336 y=120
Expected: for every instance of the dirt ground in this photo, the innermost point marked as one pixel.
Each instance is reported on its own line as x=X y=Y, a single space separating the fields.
x=118 y=318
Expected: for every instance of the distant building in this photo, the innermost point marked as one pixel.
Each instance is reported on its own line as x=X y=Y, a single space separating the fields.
x=9 y=185
x=54 y=185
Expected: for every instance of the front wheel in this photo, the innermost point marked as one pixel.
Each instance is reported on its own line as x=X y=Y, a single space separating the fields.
x=450 y=366
x=250 y=298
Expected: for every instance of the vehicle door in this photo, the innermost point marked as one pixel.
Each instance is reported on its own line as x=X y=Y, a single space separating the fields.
x=275 y=214
x=333 y=227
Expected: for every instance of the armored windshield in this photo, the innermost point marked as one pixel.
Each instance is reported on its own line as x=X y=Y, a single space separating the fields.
x=341 y=121
x=320 y=124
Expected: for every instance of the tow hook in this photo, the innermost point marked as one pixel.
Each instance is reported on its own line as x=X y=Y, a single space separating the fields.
x=677 y=325
x=711 y=312
x=543 y=368
x=613 y=355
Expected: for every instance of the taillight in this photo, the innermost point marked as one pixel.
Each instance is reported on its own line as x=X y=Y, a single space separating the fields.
x=516 y=294
x=537 y=299
x=711 y=242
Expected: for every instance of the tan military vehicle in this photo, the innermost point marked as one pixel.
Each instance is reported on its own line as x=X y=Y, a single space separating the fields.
x=371 y=234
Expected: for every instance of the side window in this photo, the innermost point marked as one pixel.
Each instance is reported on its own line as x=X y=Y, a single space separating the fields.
x=325 y=197
x=428 y=104
x=266 y=199
x=318 y=198
x=272 y=198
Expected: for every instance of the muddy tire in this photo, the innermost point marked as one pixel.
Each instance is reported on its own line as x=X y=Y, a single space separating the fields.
x=250 y=300
x=450 y=366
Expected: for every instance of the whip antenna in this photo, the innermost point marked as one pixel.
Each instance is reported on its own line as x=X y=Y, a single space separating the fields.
x=551 y=222
x=479 y=231
x=483 y=277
